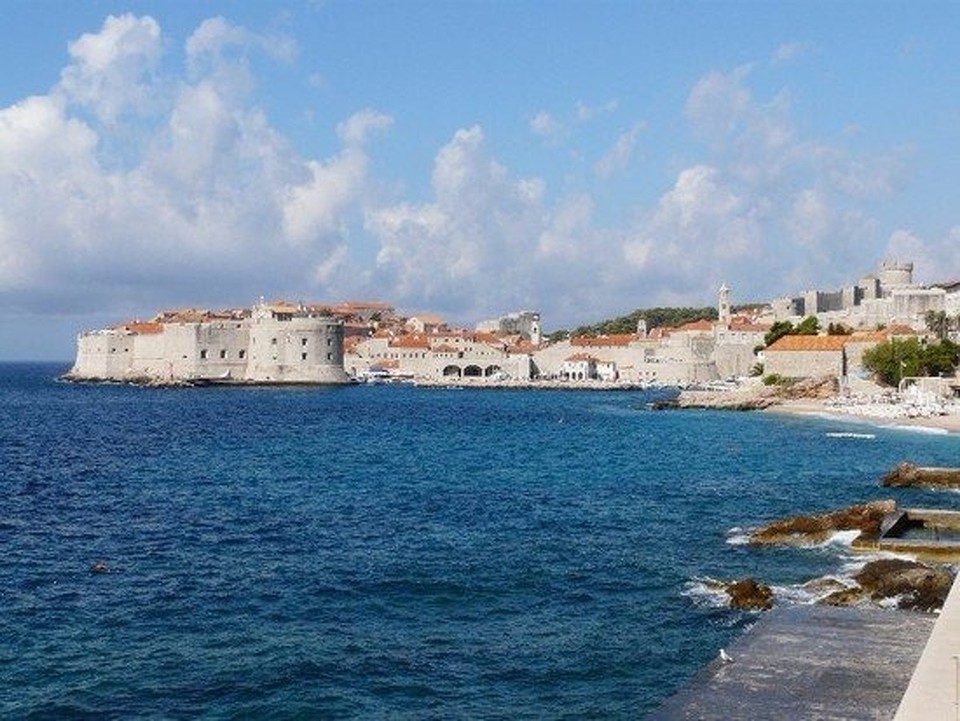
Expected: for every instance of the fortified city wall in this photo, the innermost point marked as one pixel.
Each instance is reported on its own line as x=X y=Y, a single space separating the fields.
x=278 y=343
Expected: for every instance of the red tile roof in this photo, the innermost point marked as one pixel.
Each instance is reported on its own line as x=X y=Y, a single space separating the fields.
x=143 y=328
x=603 y=341
x=413 y=340
x=695 y=325
x=810 y=343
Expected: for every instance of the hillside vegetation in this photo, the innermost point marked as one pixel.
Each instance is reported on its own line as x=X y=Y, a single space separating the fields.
x=655 y=317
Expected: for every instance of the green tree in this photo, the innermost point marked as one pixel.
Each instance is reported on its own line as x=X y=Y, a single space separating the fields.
x=940 y=358
x=938 y=323
x=655 y=317
x=808 y=326
x=779 y=329
x=897 y=359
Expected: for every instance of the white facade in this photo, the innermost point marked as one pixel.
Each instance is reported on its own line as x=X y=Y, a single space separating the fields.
x=274 y=344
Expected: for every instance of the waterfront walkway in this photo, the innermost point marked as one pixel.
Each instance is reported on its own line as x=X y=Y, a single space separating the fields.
x=934 y=689
x=816 y=663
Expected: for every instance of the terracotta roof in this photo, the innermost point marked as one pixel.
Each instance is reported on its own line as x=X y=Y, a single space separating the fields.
x=522 y=346
x=427 y=318
x=874 y=336
x=603 y=341
x=444 y=348
x=900 y=330
x=142 y=328
x=355 y=305
x=695 y=325
x=484 y=337
x=414 y=340
x=581 y=357
x=747 y=325
x=810 y=343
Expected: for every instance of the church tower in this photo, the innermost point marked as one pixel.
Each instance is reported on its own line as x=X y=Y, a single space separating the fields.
x=723 y=304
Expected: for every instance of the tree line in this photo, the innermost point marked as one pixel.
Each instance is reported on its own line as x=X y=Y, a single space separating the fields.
x=659 y=317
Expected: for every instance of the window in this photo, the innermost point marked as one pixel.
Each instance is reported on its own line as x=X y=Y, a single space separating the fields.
x=303 y=341
x=303 y=356
x=273 y=341
x=203 y=354
x=242 y=354
x=330 y=356
x=223 y=353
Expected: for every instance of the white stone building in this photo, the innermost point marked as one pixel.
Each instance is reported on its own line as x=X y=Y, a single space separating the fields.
x=272 y=343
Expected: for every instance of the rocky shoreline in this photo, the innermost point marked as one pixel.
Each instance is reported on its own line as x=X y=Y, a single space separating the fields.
x=884 y=582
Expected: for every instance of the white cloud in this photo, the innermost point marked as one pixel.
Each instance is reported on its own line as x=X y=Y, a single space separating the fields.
x=470 y=249
x=111 y=70
x=356 y=129
x=787 y=52
x=547 y=127
x=618 y=157
x=934 y=259
x=587 y=112
x=212 y=204
x=215 y=41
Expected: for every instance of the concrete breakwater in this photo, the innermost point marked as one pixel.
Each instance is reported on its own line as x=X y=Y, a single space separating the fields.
x=809 y=662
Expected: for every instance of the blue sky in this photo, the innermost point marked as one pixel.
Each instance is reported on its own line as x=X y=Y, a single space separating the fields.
x=465 y=158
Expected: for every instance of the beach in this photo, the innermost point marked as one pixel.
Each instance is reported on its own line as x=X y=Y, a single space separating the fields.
x=873 y=414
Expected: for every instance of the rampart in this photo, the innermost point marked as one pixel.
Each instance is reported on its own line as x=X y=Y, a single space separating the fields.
x=278 y=343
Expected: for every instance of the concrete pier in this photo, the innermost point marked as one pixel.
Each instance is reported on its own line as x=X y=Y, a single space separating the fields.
x=813 y=663
x=934 y=689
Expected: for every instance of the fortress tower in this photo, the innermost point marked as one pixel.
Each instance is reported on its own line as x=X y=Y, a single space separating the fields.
x=895 y=274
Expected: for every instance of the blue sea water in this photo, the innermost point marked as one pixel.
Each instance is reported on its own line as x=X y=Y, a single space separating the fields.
x=382 y=551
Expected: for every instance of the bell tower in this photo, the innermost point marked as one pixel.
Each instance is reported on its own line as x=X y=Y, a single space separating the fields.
x=723 y=304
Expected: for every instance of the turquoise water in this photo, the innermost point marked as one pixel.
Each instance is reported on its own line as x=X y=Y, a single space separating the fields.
x=388 y=551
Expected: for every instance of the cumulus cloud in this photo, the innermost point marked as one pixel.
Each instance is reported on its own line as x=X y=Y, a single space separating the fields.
x=934 y=258
x=112 y=72
x=212 y=204
x=204 y=201
x=798 y=210
x=466 y=247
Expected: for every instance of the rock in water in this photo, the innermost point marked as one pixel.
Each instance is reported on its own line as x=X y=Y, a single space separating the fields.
x=865 y=517
x=908 y=474
x=913 y=585
x=749 y=595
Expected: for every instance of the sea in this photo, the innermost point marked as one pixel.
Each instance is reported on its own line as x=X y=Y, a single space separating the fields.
x=395 y=551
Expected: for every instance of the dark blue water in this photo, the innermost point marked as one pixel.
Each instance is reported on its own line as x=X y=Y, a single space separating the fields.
x=390 y=551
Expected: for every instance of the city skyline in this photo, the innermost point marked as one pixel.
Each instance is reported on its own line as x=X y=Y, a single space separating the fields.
x=468 y=159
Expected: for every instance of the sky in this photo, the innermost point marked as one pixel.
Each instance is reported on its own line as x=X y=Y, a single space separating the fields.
x=463 y=157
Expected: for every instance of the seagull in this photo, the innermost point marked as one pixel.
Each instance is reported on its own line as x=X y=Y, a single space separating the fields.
x=725 y=657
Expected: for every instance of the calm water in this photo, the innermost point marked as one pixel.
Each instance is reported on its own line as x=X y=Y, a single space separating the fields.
x=394 y=552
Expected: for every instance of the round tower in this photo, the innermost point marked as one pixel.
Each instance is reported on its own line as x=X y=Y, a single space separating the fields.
x=895 y=274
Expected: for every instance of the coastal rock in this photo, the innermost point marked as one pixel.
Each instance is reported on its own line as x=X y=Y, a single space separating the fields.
x=914 y=586
x=749 y=595
x=755 y=396
x=809 y=388
x=752 y=399
x=908 y=474
x=799 y=530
